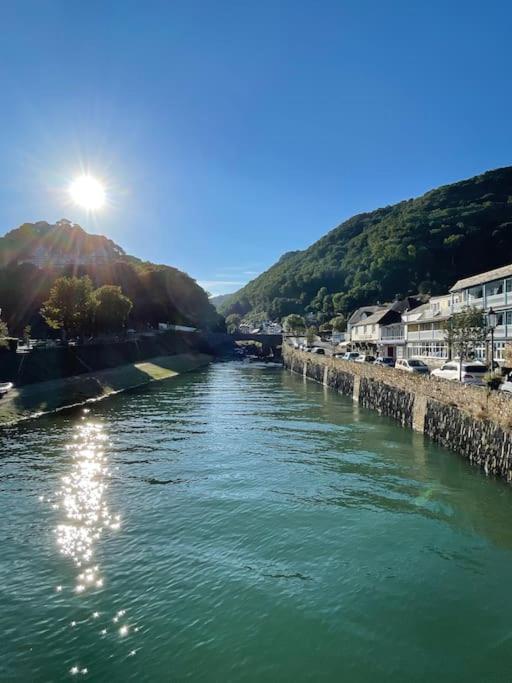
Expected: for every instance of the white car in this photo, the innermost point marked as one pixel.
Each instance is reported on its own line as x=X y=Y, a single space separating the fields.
x=472 y=372
x=365 y=358
x=418 y=367
x=506 y=385
x=350 y=355
x=5 y=387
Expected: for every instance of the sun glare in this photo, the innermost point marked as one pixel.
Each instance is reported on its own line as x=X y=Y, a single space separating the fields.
x=87 y=192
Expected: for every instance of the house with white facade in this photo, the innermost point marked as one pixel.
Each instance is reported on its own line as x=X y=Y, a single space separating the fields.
x=425 y=330
x=360 y=314
x=492 y=289
x=383 y=332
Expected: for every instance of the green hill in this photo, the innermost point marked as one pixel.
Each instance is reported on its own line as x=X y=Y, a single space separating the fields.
x=419 y=245
x=34 y=255
x=220 y=300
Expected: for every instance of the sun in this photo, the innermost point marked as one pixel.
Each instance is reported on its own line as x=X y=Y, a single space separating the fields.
x=87 y=192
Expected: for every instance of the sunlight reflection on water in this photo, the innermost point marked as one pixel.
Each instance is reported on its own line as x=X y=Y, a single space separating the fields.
x=83 y=503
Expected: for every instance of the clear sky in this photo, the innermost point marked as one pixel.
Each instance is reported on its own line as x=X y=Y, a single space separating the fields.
x=231 y=132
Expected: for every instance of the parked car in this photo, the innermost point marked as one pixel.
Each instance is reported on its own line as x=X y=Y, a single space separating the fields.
x=351 y=355
x=319 y=350
x=5 y=387
x=471 y=372
x=506 y=385
x=365 y=358
x=385 y=360
x=412 y=365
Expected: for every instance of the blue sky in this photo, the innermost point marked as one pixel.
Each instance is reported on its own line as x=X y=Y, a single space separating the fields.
x=231 y=132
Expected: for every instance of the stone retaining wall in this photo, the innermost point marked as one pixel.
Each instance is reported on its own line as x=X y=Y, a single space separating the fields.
x=469 y=420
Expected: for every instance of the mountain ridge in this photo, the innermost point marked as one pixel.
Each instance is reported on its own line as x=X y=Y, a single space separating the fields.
x=34 y=255
x=420 y=244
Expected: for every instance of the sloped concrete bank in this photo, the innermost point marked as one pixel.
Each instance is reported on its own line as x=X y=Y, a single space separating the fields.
x=32 y=400
x=468 y=420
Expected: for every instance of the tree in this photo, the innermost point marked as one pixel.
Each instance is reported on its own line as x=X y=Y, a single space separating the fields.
x=69 y=306
x=464 y=331
x=294 y=323
x=26 y=334
x=233 y=322
x=339 y=323
x=4 y=333
x=310 y=335
x=325 y=327
x=507 y=355
x=111 y=308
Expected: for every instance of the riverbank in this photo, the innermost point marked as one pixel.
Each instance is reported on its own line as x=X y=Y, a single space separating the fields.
x=33 y=400
x=470 y=421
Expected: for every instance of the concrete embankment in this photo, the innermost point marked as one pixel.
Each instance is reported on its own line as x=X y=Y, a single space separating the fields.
x=31 y=400
x=469 y=420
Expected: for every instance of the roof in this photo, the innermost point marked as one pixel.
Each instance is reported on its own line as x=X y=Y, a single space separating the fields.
x=424 y=313
x=408 y=304
x=379 y=316
x=496 y=274
x=364 y=309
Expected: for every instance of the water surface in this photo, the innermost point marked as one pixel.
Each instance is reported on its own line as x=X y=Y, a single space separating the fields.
x=239 y=524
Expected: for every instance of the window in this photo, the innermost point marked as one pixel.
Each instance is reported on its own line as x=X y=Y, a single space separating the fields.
x=509 y=317
x=508 y=285
x=494 y=288
x=475 y=292
x=499 y=348
x=475 y=368
x=436 y=349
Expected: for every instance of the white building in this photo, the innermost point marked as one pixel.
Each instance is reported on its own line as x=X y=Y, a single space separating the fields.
x=492 y=289
x=383 y=332
x=425 y=330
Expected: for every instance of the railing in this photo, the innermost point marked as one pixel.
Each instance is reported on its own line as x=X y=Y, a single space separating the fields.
x=392 y=337
x=496 y=300
x=365 y=337
x=427 y=335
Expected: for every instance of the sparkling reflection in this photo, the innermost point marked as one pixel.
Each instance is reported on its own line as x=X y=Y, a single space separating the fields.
x=82 y=500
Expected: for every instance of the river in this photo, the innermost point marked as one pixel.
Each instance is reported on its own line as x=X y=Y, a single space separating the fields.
x=240 y=524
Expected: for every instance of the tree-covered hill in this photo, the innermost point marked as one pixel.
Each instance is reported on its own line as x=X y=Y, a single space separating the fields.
x=34 y=255
x=419 y=245
x=219 y=300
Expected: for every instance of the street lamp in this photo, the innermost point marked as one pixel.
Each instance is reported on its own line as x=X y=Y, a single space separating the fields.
x=492 y=321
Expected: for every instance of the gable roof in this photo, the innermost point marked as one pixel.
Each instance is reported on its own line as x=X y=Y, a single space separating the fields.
x=356 y=315
x=496 y=274
x=384 y=316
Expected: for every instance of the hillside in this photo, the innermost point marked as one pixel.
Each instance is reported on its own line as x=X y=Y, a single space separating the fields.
x=220 y=300
x=419 y=245
x=35 y=254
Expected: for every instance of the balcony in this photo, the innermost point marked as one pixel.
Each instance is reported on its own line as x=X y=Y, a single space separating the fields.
x=388 y=336
x=427 y=335
x=363 y=336
x=495 y=300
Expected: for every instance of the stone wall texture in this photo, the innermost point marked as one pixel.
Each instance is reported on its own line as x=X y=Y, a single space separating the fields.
x=469 y=420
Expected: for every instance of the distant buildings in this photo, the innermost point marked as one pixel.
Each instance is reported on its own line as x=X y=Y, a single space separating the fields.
x=45 y=257
x=265 y=327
